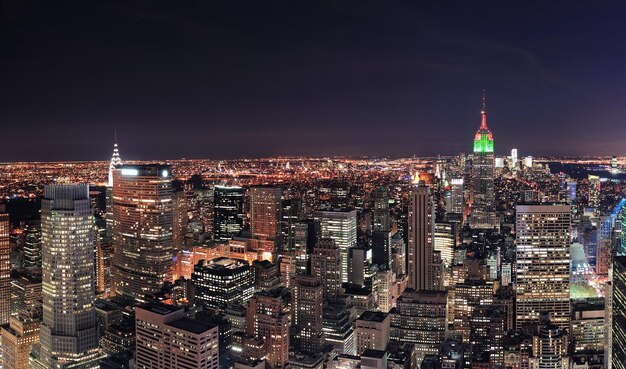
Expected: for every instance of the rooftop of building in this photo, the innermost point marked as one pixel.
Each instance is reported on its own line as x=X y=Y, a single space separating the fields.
x=223 y=264
x=161 y=309
x=377 y=354
x=190 y=325
x=373 y=316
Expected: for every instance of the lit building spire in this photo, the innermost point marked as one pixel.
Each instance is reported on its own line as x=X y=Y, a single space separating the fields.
x=115 y=161
x=483 y=113
x=483 y=140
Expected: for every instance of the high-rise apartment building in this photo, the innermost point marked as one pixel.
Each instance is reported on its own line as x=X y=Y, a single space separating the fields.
x=483 y=213
x=142 y=229
x=227 y=212
x=166 y=338
x=265 y=212
x=594 y=192
x=543 y=263
x=307 y=307
x=69 y=331
x=422 y=267
x=339 y=226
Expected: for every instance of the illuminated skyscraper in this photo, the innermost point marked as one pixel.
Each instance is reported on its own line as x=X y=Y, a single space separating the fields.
x=380 y=210
x=618 y=315
x=543 y=263
x=166 y=338
x=423 y=269
x=306 y=314
x=483 y=208
x=267 y=322
x=222 y=282
x=326 y=266
x=594 y=192
x=69 y=331
x=115 y=161
x=227 y=212
x=455 y=203
x=32 y=243
x=339 y=226
x=142 y=229
x=265 y=212
x=514 y=158
x=179 y=219
x=5 y=270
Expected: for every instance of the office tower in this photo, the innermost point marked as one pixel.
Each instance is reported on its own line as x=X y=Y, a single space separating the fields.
x=487 y=326
x=381 y=249
x=513 y=158
x=166 y=338
x=445 y=241
x=114 y=163
x=483 y=213
x=359 y=260
x=588 y=325
x=326 y=266
x=267 y=322
x=618 y=315
x=380 y=210
x=26 y=294
x=305 y=236
x=289 y=217
x=372 y=331
x=420 y=318
x=18 y=337
x=265 y=212
x=306 y=314
x=222 y=282
x=467 y=297
x=422 y=267
x=32 y=243
x=385 y=282
x=180 y=219
x=5 y=270
x=398 y=254
x=455 y=203
x=227 y=212
x=339 y=226
x=549 y=347
x=69 y=331
x=338 y=327
x=266 y=275
x=142 y=229
x=543 y=263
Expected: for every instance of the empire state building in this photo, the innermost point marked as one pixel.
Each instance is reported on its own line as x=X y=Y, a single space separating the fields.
x=483 y=213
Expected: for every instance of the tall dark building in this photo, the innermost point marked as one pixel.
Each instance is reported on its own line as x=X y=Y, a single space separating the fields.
x=483 y=207
x=618 y=326
x=32 y=243
x=422 y=265
x=227 y=212
x=142 y=229
x=380 y=210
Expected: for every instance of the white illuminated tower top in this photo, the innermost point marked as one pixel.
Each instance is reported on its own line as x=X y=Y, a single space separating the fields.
x=115 y=161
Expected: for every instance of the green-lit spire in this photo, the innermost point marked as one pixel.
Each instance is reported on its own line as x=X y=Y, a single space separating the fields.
x=483 y=140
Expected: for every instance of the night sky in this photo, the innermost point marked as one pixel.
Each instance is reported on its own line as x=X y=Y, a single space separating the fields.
x=228 y=79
